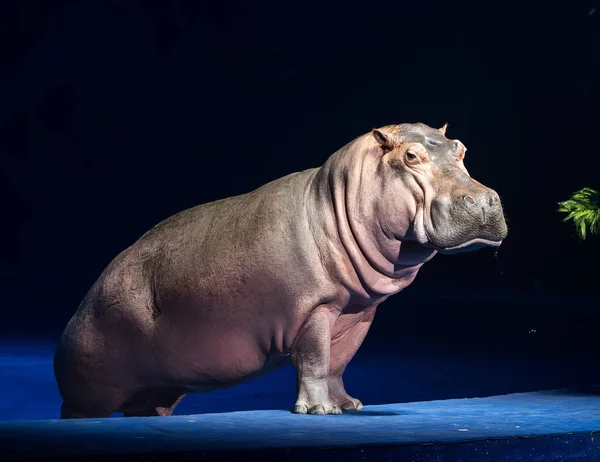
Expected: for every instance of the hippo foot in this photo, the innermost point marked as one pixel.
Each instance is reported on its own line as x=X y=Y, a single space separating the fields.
x=317 y=409
x=352 y=404
x=338 y=395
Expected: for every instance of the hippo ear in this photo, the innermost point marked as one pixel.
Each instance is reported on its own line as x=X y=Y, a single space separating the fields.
x=383 y=140
x=443 y=129
x=460 y=149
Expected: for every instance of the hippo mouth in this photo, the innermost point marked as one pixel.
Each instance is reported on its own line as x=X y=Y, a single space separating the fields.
x=423 y=238
x=468 y=246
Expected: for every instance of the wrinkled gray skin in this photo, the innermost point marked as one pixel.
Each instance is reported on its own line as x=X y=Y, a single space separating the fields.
x=225 y=291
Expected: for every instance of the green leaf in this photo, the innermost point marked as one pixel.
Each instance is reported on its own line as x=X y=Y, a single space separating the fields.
x=583 y=208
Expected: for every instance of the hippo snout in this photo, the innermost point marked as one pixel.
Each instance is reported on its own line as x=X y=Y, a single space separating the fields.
x=466 y=221
x=479 y=215
x=487 y=204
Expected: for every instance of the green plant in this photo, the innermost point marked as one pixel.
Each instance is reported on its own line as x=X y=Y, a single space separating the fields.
x=584 y=209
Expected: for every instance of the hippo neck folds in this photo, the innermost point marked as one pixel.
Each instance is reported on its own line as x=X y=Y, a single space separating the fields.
x=373 y=269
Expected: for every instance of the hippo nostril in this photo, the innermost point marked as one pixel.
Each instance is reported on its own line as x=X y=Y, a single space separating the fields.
x=469 y=199
x=492 y=199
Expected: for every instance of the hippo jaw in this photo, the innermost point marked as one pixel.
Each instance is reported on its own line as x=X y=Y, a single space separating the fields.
x=492 y=238
x=468 y=246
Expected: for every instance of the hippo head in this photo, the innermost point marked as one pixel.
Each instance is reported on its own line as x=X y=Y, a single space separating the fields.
x=427 y=194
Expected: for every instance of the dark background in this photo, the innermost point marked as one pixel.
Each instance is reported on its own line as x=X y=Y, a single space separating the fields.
x=117 y=114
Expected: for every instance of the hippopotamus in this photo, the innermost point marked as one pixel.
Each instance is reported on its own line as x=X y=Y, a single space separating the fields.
x=294 y=270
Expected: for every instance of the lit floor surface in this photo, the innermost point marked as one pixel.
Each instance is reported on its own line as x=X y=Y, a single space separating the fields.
x=551 y=425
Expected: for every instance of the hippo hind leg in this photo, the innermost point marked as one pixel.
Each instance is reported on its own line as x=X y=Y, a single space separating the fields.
x=90 y=401
x=86 y=394
x=84 y=400
x=68 y=411
x=152 y=402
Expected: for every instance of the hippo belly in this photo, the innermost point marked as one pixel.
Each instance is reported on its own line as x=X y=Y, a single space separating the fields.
x=209 y=348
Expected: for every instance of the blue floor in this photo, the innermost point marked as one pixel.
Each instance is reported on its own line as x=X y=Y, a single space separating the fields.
x=419 y=428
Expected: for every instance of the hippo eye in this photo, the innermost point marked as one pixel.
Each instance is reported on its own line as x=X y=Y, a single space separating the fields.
x=411 y=156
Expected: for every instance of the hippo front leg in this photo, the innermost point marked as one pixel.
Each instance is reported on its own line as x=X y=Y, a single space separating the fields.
x=310 y=356
x=343 y=349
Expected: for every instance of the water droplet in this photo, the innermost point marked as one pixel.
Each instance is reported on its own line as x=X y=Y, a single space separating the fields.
x=499 y=262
